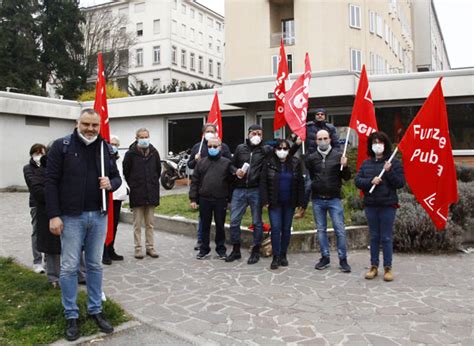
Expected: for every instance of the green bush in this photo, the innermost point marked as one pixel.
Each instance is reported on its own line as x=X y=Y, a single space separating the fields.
x=465 y=173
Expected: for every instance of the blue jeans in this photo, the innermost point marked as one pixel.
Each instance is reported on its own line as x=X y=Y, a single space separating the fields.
x=380 y=220
x=241 y=199
x=320 y=209
x=281 y=218
x=84 y=231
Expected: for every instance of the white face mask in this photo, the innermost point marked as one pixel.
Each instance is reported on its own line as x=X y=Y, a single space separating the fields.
x=378 y=148
x=255 y=140
x=282 y=154
x=86 y=140
x=209 y=135
x=36 y=158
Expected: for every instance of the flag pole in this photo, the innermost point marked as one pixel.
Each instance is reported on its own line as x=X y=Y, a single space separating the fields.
x=345 y=144
x=102 y=174
x=200 y=145
x=383 y=170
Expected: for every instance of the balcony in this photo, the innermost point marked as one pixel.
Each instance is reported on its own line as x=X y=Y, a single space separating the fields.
x=277 y=36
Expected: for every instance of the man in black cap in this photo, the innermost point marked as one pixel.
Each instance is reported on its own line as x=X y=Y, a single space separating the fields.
x=247 y=164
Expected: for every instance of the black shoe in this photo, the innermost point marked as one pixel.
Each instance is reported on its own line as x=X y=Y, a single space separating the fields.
x=255 y=255
x=323 y=263
x=202 y=255
x=114 y=256
x=72 y=330
x=221 y=256
x=102 y=323
x=197 y=246
x=275 y=262
x=344 y=266
x=106 y=260
x=235 y=254
x=82 y=281
x=283 y=260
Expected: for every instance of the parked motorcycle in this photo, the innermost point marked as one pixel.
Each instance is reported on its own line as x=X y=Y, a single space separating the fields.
x=174 y=168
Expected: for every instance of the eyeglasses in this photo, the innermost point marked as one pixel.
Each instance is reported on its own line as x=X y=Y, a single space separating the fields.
x=213 y=146
x=281 y=148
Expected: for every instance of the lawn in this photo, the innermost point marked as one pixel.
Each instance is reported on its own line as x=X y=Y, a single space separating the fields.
x=31 y=310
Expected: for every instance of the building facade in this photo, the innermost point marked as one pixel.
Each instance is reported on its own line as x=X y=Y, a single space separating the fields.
x=178 y=40
x=343 y=34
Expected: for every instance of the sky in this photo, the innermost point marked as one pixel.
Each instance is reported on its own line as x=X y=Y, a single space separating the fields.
x=455 y=17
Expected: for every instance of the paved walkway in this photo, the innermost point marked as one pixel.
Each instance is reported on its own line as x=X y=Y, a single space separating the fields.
x=431 y=300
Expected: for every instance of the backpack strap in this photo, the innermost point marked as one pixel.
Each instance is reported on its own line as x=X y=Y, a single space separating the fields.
x=66 y=143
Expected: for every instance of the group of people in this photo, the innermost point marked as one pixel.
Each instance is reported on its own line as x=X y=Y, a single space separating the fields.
x=69 y=221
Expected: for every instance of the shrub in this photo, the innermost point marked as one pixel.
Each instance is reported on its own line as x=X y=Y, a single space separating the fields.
x=465 y=173
x=112 y=93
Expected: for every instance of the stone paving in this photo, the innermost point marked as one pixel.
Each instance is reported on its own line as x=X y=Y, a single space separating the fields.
x=431 y=300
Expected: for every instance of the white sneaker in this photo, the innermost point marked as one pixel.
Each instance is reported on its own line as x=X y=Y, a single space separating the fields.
x=38 y=269
x=104 y=298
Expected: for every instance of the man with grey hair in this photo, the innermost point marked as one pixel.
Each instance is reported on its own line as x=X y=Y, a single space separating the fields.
x=73 y=187
x=142 y=170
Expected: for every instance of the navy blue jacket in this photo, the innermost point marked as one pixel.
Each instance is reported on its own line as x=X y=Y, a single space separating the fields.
x=313 y=127
x=66 y=174
x=385 y=194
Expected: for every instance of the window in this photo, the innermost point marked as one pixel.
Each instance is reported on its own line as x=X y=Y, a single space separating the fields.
x=192 y=34
x=157 y=55
x=219 y=72
x=354 y=16
x=210 y=42
x=36 y=121
x=200 y=38
x=140 y=7
x=288 y=31
x=371 y=62
x=289 y=60
x=219 y=26
x=371 y=22
x=276 y=61
x=210 y=22
x=356 y=61
x=211 y=68
x=156 y=26
x=200 y=64
x=192 y=61
x=379 y=26
x=183 y=58
x=183 y=8
x=387 y=33
x=174 y=51
x=192 y=13
x=174 y=26
x=139 y=29
x=183 y=30
x=139 y=53
x=218 y=46
x=123 y=12
x=157 y=83
x=200 y=17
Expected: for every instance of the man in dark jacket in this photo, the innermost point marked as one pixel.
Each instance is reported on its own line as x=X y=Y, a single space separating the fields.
x=210 y=188
x=198 y=152
x=73 y=187
x=37 y=151
x=142 y=170
x=324 y=168
x=247 y=164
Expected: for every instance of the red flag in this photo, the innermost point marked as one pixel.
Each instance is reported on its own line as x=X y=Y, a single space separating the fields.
x=296 y=102
x=363 y=116
x=279 y=120
x=428 y=158
x=215 y=115
x=100 y=106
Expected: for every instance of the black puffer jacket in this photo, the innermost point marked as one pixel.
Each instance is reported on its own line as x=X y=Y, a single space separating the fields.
x=270 y=181
x=385 y=194
x=225 y=152
x=211 y=179
x=254 y=155
x=326 y=175
x=29 y=172
x=312 y=129
x=142 y=174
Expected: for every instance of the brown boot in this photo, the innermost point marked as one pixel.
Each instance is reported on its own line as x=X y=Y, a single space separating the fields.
x=138 y=253
x=372 y=273
x=388 y=275
x=152 y=253
x=300 y=213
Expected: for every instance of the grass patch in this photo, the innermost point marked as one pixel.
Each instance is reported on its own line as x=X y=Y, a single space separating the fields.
x=31 y=310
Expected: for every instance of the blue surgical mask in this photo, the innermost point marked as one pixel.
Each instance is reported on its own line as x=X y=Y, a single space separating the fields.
x=213 y=151
x=114 y=149
x=143 y=142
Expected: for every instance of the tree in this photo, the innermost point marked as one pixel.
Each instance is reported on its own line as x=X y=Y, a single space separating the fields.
x=112 y=93
x=19 y=46
x=62 y=51
x=142 y=88
x=107 y=33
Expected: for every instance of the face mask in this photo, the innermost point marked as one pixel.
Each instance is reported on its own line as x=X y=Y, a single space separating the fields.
x=86 y=140
x=323 y=146
x=143 y=142
x=114 y=149
x=282 y=154
x=255 y=140
x=37 y=158
x=209 y=135
x=213 y=151
x=378 y=148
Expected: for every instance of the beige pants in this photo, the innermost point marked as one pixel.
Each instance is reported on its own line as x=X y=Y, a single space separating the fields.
x=145 y=213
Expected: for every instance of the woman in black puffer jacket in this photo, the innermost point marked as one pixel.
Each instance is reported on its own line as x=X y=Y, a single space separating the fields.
x=380 y=205
x=282 y=190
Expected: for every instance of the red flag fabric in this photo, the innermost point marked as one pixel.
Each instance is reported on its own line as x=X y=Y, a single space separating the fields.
x=428 y=158
x=363 y=119
x=279 y=119
x=215 y=115
x=296 y=102
x=100 y=106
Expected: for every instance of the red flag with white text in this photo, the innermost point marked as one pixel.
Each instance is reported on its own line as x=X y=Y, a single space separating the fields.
x=363 y=119
x=428 y=158
x=215 y=115
x=296 y=102
x=279 y=119
x=100 y=106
